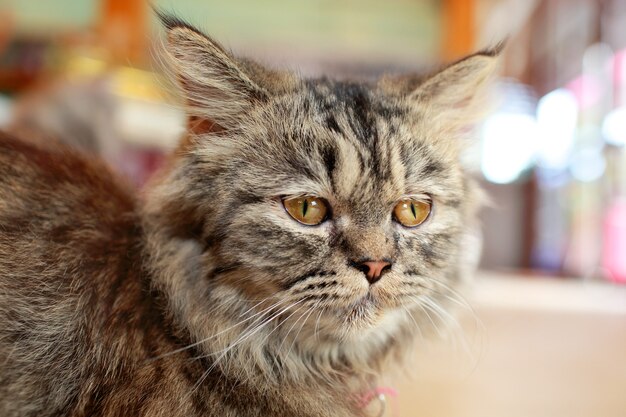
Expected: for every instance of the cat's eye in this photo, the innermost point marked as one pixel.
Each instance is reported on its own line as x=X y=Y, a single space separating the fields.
x=412 y=212
x=307 y=210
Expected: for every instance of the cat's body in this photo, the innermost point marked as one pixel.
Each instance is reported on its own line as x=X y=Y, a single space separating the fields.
x=205 y=298
x=81 y=324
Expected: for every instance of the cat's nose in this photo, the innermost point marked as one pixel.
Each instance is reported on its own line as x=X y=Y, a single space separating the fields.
x=373 y=270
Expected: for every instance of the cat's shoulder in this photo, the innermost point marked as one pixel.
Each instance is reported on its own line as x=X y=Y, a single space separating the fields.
x=51 y=183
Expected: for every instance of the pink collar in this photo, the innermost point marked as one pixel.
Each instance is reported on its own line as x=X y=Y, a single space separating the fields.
x=379 y=393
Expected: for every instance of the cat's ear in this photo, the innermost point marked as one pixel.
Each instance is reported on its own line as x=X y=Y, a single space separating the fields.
x=454 y=93
x=218 y=88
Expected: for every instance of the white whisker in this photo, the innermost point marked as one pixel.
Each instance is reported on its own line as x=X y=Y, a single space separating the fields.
x=310 y=311
x=199 y=342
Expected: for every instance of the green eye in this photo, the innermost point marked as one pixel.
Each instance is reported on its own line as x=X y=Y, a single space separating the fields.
x=412 y=213
x=306 y=210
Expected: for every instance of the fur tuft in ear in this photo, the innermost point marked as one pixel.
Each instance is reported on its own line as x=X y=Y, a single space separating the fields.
x=170 y=21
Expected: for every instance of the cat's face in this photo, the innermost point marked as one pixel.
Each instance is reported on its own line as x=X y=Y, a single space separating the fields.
x=341 y=205
x=357 y=155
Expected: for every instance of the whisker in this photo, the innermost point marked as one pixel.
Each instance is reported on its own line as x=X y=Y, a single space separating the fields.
x=461 y=302
x=253 y=331
x=292 y=326
x=447 y=317
x=311 y=309
x=444 y=290
x=319 y=316
x=244 y=337
x=423 y=308
x=194 y=344
x=417 y=326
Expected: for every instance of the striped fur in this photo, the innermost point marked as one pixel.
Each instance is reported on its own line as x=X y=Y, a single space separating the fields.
x=204 y=298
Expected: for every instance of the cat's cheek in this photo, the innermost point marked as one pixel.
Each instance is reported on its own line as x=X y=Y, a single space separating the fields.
x=277 y=249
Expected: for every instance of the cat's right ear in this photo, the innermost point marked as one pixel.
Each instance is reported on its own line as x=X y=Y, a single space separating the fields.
x=217 y=88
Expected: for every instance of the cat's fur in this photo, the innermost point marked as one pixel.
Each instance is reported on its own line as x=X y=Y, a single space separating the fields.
x=206 y=298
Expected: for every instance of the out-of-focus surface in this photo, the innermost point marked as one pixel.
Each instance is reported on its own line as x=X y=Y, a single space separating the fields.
x=533 y=354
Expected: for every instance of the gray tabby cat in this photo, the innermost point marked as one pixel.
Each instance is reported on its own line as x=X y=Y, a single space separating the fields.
x=275 y=267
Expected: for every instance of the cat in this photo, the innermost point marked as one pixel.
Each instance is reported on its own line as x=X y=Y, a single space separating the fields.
x=278 y=264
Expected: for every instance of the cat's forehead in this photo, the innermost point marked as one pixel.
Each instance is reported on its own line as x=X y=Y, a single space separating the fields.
x=361 y=103
x=348 y=109
x=346 y=140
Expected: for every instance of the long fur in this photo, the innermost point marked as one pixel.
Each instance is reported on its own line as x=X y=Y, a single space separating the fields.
x=203 y=297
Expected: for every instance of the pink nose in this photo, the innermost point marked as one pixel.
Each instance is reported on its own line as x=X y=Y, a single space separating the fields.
x=373 y=270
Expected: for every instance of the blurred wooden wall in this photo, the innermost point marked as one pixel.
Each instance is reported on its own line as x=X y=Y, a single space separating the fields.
x=458 y=27
x=123 y=30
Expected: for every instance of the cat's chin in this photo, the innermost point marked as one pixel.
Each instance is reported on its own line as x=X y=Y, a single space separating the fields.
x=365 y=309
x=367 y=315
x=364 y=336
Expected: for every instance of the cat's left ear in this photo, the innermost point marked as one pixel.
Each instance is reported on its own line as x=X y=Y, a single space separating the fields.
x=454 y=93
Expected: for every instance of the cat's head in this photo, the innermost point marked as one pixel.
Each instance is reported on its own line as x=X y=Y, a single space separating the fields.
x=341 y=204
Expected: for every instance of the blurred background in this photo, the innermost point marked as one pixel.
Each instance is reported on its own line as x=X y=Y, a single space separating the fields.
x=551 y=154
